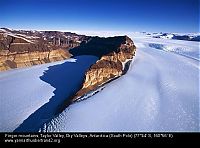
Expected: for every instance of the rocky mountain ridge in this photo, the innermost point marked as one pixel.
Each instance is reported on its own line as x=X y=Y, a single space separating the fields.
x=118 y=55
x=21 y=48
x=27 y=48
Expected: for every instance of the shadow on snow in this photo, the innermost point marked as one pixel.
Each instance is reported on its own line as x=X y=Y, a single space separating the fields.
x=66 y=78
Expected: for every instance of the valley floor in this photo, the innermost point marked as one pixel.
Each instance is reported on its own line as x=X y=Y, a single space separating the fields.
x=31 y=96
x=160 y=92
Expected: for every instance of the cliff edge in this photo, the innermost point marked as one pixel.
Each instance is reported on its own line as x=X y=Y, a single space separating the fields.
x=115 y=55
x=22 y=48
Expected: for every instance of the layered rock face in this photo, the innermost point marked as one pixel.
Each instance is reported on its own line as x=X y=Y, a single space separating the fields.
x=109 y=66
x=26 y=59
x=26 y=48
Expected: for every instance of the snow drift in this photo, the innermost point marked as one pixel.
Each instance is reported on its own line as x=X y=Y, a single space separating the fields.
x=159 y=93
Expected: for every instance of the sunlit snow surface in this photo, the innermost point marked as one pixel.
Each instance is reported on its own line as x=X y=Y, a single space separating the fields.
x=160 y=92
x=31 y=96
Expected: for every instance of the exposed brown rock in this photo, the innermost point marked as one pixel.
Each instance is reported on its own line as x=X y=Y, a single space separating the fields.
x=26 y=48
x=26 y=59
x=108 y=67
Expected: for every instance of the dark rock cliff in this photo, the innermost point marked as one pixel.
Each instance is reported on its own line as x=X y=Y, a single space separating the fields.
x=115 y=54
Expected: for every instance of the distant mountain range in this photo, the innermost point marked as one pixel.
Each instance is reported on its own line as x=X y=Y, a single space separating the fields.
x=186 y=37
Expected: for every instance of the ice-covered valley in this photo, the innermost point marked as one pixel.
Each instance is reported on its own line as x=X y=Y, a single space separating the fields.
x=31 y=96
x=160 y=92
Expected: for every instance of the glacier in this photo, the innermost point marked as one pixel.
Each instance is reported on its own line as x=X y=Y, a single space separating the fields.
x=160 y=92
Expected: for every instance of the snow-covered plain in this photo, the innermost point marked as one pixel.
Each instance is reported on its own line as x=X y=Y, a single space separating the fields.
x=185 y=48
x=30 y=96
x=160 y=92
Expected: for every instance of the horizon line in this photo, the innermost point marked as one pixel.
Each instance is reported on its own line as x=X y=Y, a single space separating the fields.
x=99 y=32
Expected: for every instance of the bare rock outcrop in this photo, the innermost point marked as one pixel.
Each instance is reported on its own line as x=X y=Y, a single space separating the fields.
x=109 y=66
x=25 y=59
x=21 y=48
